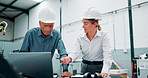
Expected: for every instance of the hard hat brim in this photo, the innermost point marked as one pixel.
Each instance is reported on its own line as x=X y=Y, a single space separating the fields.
x=48 y=21
x=91 y=18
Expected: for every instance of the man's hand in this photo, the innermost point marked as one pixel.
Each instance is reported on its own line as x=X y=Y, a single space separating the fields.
x=66 y=60
x=66 y=74
x=104 y=74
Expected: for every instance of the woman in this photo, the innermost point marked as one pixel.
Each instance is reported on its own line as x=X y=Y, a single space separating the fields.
x=94 y=45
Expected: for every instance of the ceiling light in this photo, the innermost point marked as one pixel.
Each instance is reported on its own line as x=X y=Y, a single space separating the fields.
x=37 y=0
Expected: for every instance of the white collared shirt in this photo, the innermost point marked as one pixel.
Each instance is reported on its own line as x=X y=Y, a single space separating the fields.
x=98 y=49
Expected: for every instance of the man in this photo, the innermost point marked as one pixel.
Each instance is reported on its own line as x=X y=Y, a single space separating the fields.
x=94 y=45
x=45 y=38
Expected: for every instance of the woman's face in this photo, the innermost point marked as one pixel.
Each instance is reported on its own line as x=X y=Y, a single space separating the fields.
x=88 y=26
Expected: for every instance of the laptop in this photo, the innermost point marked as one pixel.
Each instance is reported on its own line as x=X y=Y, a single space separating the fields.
x=35 y=64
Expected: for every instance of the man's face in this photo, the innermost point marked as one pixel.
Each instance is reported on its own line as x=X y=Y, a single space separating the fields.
x=88 y=26
x=46 y=28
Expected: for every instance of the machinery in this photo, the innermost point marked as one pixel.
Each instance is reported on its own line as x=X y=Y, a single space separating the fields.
x=3 y=26
x=142 y=68
x=89 y=75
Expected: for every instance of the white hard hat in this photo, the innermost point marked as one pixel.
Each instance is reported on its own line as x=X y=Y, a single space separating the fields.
x=47 y=15
x=92 y=13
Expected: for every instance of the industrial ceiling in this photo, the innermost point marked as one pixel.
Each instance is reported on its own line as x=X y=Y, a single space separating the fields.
x=10 y=9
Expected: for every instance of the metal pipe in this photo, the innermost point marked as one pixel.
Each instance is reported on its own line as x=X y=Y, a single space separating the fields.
x=60 y=16
x=131 y=29
x=131 y=34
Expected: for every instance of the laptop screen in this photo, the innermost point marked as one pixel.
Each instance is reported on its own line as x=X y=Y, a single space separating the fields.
x=36 y=64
